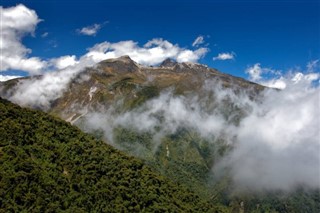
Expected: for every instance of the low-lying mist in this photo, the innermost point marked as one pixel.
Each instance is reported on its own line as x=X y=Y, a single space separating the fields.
x=274 y=137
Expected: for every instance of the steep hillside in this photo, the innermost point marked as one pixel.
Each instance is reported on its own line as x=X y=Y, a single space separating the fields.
x=48 y=165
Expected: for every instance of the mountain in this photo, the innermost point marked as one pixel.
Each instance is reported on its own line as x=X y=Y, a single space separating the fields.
x=122 y=79
x=119 y=86
x=179 y=118
x=48 y=165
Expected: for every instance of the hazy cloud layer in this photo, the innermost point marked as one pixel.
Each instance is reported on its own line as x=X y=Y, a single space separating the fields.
x=40 y=92
x=276 y=145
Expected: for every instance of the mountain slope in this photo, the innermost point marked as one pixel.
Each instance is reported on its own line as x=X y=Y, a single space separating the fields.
x=180 y=118
x=124 y=84
x=48 y=165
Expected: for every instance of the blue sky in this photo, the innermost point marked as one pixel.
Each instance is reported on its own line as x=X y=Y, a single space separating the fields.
x=279 y=35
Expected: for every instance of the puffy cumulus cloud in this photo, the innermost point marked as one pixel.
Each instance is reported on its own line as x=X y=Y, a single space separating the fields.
x=91 y=30
x=199 y=40
x=224 y=56
x=64 y=61
x=8 y=77
x=17 y=22
x=152 y=53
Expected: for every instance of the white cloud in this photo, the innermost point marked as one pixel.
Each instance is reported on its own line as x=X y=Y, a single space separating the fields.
x=278 y=83
x=277 y=79
x=199 y=40
x=64 y=61
x=91 y=30
x=18 y=22
x=283 y=150
x=224 y=56
x=8 y=77
x=254 y=72
x=40 y=92
x=151 y=53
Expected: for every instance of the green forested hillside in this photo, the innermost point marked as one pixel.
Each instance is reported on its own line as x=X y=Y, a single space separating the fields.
x=47 y=165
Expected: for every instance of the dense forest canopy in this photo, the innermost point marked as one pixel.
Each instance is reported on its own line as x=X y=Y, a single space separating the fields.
x=47 y=165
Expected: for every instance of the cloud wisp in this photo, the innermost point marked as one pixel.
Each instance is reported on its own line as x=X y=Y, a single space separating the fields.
x=91 y=30
x=198 y=41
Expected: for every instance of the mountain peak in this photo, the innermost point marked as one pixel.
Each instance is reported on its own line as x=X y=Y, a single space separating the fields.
x=122 y=64
x=168 y=63
x=125 y=58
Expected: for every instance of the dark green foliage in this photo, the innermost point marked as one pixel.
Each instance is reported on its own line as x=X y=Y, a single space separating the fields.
x=300 y=200
x=185 y=162
x=47 y=165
